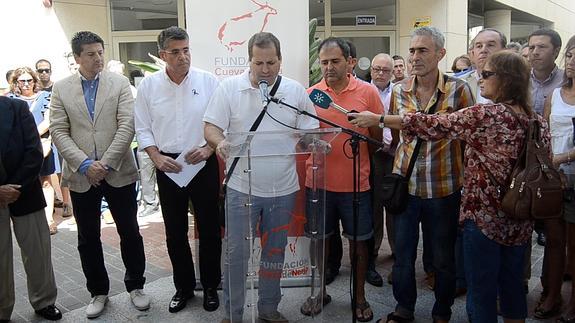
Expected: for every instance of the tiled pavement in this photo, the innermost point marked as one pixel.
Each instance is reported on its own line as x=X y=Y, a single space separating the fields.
x=73 y=297
x=72 y=293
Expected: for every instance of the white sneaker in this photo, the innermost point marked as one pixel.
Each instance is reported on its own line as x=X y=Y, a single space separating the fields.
x=96 y=306
x=140 y=300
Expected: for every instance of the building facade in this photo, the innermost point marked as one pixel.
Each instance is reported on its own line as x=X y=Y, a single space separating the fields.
x=42 y=28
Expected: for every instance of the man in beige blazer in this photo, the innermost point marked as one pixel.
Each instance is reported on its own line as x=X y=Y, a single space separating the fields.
x=92 y=125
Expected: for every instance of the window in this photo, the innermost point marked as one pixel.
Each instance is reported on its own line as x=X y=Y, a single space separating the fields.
x=137 y=15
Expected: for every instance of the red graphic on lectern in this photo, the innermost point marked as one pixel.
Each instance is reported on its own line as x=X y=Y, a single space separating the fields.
x=237 y=30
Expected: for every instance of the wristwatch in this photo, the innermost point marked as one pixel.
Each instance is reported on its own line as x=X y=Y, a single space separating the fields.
x=381 y=123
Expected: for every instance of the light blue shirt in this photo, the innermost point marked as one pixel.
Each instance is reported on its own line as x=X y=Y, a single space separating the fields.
x=90 y=89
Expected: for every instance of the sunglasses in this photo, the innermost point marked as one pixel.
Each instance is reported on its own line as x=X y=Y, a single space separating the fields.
x=26 y=81
x=487 y=74
x=44 y=70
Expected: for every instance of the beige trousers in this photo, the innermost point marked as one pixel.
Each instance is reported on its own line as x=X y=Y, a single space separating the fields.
x=33 y=237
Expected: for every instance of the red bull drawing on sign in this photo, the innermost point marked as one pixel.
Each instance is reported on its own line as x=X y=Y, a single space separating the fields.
x=234 y=33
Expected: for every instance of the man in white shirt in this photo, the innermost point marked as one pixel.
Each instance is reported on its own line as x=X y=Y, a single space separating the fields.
x=381 y=73
x=274 y=182
x=168 y=117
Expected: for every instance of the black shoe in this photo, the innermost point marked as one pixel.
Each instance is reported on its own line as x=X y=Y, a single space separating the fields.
x=179 y=301
x=373 y=277
x=211 y=300
x=50 y=312
x=541 y=239
x=4 y=321
x=330 y=275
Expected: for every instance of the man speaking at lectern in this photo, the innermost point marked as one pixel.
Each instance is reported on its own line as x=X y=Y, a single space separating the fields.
x=234 y=107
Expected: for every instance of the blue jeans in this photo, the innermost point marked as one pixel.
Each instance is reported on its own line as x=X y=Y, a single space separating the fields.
x=459 y=262
x=492 y=269
x=443 y=214
x=270 y=217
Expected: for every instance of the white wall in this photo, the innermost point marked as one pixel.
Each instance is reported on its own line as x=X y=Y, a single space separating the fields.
x=31 y=31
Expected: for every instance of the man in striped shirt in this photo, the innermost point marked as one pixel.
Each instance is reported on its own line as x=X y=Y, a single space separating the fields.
x=436 y=180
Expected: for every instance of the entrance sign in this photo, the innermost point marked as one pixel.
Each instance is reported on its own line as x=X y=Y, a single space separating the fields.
x=366 y=20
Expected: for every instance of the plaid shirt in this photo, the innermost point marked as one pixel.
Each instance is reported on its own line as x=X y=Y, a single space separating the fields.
x=438 y=170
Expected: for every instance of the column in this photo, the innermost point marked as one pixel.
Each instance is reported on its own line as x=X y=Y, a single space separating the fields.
x=500 y=20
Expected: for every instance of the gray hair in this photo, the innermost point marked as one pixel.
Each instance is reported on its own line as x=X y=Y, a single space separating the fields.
x=171 y=33
x=502 y=38
x=515 y=46
x=385 y=56
x=434 y=33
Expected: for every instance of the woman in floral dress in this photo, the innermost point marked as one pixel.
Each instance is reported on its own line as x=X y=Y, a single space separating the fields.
x=494 y=245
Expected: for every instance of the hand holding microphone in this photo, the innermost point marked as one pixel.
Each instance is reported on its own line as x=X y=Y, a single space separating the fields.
x=365 y=119
x=324 y=101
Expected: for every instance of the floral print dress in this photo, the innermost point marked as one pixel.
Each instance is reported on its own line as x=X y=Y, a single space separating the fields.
x=493 y=137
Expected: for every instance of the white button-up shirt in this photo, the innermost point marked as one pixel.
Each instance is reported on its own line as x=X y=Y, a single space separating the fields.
x=385 y=96
x=169 y=115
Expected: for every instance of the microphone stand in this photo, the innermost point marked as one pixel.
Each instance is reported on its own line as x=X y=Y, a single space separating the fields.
x=356 y=138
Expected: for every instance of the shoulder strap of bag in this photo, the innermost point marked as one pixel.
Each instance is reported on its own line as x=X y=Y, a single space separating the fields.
x=254 y=127
x=420 y=141
x=521 y=159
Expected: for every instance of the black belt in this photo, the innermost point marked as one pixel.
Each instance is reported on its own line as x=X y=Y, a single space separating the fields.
x=174 y=156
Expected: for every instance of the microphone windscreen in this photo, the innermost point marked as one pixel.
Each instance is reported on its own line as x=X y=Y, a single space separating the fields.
x=320 y=98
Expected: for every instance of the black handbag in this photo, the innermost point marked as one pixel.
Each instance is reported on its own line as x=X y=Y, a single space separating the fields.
x=395 y=187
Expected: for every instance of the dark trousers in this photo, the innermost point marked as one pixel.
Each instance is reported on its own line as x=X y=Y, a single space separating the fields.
x=443 y=213
x=123 y=206
x=203 y=191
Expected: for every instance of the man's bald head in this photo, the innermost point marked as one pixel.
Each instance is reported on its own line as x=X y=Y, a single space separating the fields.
x=381 y=70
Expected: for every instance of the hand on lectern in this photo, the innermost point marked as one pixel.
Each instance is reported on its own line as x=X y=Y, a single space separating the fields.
x=319 y=145
x=223 y=150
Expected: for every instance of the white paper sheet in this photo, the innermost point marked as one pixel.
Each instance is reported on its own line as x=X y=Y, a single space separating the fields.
x=188 y=172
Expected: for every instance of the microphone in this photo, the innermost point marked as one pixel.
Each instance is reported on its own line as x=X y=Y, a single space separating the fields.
x=263 y=86
x=324 y=101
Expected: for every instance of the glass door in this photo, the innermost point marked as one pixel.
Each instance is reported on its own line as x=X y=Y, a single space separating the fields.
x=134 y=48
x=368 y=44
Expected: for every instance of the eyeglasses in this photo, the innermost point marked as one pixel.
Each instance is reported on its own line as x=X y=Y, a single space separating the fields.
x=26 y=81
x=177 y=52
x=44 y=70
x=378 y=70
x=487 y=74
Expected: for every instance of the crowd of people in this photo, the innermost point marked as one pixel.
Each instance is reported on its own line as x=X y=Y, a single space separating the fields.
x=457 y=134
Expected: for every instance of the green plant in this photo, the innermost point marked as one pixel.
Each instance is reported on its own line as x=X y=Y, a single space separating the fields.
x=314 y=69
x=147 y=66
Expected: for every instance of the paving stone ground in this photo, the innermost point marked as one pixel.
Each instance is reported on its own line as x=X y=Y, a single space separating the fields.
x=73 y=296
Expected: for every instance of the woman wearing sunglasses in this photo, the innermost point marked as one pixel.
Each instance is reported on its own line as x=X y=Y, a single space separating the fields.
x=24 y=85
x=494 y=245
x=560 y=112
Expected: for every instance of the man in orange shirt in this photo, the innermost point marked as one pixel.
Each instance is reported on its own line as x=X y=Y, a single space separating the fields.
x=346 y=91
